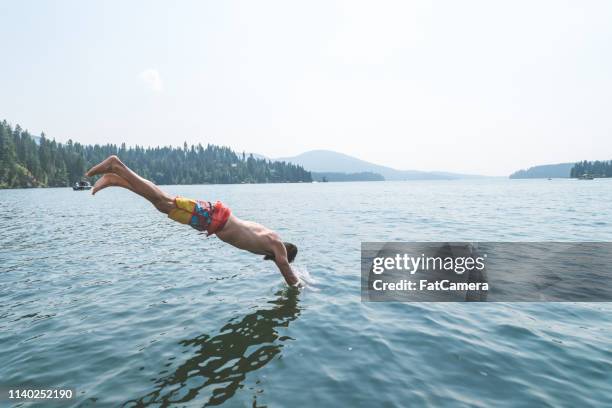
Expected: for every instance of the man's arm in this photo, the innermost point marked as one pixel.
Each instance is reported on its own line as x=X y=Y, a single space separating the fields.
x=281 y=261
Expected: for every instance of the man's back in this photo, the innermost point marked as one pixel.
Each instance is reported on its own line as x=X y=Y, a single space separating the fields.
x=256 y=238
x=248 y=235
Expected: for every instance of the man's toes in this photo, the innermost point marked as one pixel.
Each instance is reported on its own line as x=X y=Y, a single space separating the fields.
x=94 y=170
x=95 y=189
x=103 y=167
x=101 y=183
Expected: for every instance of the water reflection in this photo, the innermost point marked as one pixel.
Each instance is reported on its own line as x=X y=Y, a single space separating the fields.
x=220 y=363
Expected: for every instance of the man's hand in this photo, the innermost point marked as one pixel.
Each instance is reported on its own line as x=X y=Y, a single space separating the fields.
x=281 y=261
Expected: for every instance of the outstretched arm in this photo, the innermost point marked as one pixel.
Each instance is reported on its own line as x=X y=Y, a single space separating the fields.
x=281 y=261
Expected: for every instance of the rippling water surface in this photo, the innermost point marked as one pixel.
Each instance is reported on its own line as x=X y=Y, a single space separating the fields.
x=105 y=295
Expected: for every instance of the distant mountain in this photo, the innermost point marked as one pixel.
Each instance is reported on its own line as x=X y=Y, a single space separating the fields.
x=320 y=161
x=561 y=170
x=334 y=176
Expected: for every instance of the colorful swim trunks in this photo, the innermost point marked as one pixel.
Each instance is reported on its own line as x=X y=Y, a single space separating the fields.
x=201 y=215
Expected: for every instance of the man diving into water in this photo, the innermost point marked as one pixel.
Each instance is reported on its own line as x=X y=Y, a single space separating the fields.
x=214 y=218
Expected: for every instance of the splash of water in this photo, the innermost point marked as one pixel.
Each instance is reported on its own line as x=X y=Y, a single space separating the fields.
x=306 y=279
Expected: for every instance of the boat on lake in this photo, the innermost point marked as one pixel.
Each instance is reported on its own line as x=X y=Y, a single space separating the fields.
x=81 y=185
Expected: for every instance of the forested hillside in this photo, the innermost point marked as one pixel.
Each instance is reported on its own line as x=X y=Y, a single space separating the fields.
x=41 y=162
x=595 y=168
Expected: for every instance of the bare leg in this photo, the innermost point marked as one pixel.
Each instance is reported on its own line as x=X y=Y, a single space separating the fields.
x=112 y=165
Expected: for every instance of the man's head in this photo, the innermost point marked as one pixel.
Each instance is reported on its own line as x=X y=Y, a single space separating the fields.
x=291 y=252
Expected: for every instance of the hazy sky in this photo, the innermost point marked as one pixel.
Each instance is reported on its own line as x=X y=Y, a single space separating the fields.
x=468 y=86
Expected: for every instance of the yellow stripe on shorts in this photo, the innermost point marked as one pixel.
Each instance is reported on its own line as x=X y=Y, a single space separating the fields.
x=182 y=213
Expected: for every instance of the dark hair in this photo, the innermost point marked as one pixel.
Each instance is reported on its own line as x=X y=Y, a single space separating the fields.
x=291 y=252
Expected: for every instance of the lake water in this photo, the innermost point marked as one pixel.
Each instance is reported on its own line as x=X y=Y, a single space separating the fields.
x=108 y=297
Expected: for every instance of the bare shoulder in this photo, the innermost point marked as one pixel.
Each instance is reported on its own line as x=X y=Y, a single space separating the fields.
x=272 y=235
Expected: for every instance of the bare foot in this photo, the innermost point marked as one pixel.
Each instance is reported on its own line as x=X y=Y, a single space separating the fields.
x=106 y=166
x=110 y=180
